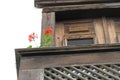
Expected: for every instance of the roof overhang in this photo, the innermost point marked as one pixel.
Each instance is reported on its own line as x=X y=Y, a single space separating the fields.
x=64 y=5
x=48 y=3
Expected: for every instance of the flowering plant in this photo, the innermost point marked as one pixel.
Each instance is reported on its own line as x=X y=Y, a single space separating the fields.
x=46 y=38
x=32 y=38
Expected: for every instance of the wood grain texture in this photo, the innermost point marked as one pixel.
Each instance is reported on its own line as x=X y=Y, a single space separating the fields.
x=112 y=32
x=48 y=21
x=44 y=3
x=36 y=62
x=32 y=74
x=78 y=28
x=59 y=34
x=117 y=28
x=64 y=1
x=81 y=7
x=99 y=31
x=105 y=23
x=30 y=62
x=60 y=56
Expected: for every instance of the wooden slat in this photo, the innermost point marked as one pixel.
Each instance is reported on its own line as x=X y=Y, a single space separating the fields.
x=112 y=32
x=106 y=32
x=78 y=36
x=81 y=7
x=78 y=28
x=117 y=28
x=48 y=21
x=100 y=37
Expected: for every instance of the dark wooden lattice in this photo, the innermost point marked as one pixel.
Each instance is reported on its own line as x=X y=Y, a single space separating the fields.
x=88 y=72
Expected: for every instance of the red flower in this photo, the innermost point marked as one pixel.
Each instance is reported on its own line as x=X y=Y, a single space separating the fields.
x=48 y=31
x=32 y=36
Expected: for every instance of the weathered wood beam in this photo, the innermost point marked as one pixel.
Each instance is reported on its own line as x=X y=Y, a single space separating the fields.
x=33 y=74
x=52 y=2
x=81 y=7
x=36 y=62
x=48 y=21
x=43 y=3
x=63 y=56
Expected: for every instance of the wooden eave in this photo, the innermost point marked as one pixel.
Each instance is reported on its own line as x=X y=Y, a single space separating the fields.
x=36 y=58
x=82 y=7
x=60 y=5
x=45 y=3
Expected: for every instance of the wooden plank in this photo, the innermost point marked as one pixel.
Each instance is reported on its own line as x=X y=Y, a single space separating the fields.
x=29 y=51
x=78 y=28
x=117 y=25
x=59 y=34
x=36 y=62
x=48 y=21
x=106 y=31
x=78 y=36
x=112 y=32
x=117 y=28
x=81 y=7
x=99 y=31
x=32 y=74
x=44 y=3
x=64 y=1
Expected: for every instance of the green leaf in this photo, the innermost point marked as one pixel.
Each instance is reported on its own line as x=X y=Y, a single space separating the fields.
x=48 y=43
x=30 y=46
x=42 y=44
x=48 y=36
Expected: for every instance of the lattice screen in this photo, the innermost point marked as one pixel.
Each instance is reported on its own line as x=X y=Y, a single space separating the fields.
x=88 y=72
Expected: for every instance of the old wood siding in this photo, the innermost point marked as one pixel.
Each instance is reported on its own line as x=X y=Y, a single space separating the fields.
x=100 y=37
x=104 y=31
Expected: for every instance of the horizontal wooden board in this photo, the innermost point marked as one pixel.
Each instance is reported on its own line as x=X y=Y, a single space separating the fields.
x=81 y=7
x=78 y=28
x=47 y=57
x=44 y=3
x=79 y=36
x=36 y=62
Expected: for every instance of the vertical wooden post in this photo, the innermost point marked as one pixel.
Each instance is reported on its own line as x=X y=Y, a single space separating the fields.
x=48 y=20
x=32 y=74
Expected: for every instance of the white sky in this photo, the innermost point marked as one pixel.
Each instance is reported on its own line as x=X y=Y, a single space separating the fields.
x=18 y=18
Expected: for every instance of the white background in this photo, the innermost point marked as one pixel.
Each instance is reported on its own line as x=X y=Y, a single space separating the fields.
x=18 y=18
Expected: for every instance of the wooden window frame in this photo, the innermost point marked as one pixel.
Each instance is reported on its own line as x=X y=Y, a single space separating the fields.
x=81 y=34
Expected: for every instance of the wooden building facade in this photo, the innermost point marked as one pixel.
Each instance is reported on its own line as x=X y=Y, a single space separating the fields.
x=85 y=44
